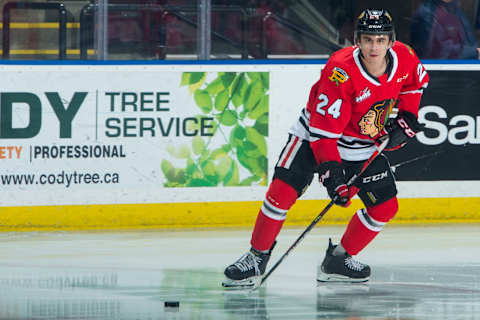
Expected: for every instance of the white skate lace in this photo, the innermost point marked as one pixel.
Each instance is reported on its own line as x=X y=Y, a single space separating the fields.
x=247 y=262
x=353 y=264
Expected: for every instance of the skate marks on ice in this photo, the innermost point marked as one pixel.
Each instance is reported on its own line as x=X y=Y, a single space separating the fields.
x=416 y=292
x=129 y=275
x=401 y=293
x=99 y=293
x=406 y=292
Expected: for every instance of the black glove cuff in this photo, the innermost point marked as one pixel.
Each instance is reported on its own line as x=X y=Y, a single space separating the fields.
x=331 y=174
x=397 y=131
x=412 y=121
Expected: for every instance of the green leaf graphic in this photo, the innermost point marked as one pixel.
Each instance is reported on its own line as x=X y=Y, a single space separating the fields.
x=168 y=169
x=180 y=152
x=257 y=139
x=185 y=79
x=251 y=149
x=254 y=164
x=254 y=76
x=249 y=181
x=227 y=78
x=239 y=87
x=189 y=78
x=263 y=163
x=265 y=76
x=240 y=159
x=260 y=109
x=232 y=177
x=198 y=145
x=228 y=118
x=194 y=125
x=237 y=136
x=226 y=147
x=221 y=100
x=209 y=171
x=215 y=87
x=218 y=153
x=183 y=151
x=204 y=156
x=193 y=170
x=179 y=176
x=261 y=125
x=203 y=100
x=200 y=183
x=223 y=167
x=253 y=95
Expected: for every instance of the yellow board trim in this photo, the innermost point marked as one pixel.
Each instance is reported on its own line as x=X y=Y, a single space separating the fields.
x=220 y=214
x=46 y=51
x=40 y=25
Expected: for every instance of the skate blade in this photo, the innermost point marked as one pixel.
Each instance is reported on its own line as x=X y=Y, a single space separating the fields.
x=337 y=278
x=249 y=283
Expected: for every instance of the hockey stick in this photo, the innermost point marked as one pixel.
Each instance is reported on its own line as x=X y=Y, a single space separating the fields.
x=394 y=167
x=433 y=154
x=350 y=182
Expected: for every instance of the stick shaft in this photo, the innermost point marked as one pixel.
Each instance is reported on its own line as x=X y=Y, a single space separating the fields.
x=429 y=155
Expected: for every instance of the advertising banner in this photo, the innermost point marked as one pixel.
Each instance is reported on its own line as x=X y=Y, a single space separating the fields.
x=108 y=134
x=178 y=129
x=142 y=134
x=449 y=148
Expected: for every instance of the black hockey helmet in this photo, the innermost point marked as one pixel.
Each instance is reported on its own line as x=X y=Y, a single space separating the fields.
x=374 y=21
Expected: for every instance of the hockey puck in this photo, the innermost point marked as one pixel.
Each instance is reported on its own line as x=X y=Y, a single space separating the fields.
x=172 y=304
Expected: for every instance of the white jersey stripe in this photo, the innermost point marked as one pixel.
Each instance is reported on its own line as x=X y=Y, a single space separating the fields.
x=286 y=151
x=273 y=208
x=369 y=222
x=395 y=64
x=411 y=91
x=291 y=155
x=359 y=140
x=273 y=213
x=359 y=154
x=323 y=133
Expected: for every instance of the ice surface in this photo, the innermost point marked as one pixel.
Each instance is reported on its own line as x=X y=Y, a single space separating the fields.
x=418 y=272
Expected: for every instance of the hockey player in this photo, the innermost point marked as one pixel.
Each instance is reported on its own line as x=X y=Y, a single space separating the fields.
x=348 y=109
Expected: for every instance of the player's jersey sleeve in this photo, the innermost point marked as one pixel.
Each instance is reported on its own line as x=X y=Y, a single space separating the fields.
x=412 y=90
x=329 y=106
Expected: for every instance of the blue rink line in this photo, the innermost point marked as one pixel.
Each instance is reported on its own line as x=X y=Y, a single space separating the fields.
x=161 y=62
x=202 y=62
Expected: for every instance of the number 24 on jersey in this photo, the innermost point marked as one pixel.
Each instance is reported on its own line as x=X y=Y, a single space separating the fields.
x=333 y=109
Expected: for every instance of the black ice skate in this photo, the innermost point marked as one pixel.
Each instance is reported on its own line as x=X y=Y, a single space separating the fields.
x=341 y=268
x=247 y=271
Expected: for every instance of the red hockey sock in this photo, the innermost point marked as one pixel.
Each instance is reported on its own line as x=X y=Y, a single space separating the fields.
x=280 y=197
x=366 y=224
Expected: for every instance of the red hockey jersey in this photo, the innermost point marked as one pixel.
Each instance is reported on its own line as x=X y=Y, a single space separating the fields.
x=349 y=106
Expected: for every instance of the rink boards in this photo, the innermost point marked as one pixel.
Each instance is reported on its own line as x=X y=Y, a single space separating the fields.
x=194 y=145
x=223 y=214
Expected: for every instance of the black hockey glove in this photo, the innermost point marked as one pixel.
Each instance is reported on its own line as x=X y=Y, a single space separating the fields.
x=332 y=176
x=401 y=129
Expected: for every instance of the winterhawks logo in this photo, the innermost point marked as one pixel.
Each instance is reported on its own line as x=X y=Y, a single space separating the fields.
x=364 y=94
x=402 y=78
